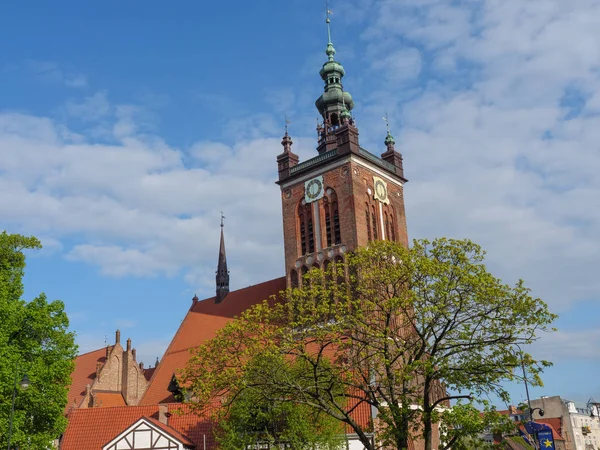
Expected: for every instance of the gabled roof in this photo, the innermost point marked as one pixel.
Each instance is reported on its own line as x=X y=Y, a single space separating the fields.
x=91 y=428
x=200 y=324
x=154 y=431
x=84 y=374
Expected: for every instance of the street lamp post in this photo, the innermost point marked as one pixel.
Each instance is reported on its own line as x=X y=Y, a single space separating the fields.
x=527 y=392
x=24 y=383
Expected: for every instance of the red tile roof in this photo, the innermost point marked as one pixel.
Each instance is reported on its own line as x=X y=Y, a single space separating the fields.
x=170 y=430
x=92 y=428
x=84 y=374
x=106 y=399
x=200 y=324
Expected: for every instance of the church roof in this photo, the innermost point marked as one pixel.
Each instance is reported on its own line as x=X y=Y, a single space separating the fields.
x=84 y=374
x=200 y=324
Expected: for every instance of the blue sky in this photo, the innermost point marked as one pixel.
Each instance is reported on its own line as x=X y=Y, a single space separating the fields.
x=125 y=127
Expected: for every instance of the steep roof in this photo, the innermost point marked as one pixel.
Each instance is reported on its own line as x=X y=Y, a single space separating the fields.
x=91 y=428
x=84 y=374
x=200 y=324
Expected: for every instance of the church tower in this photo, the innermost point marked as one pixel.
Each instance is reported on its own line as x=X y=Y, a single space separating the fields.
x=344 y=197
x=222 y=275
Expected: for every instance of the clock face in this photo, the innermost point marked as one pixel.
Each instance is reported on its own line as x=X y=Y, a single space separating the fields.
x=381 y=190
x=313 y=189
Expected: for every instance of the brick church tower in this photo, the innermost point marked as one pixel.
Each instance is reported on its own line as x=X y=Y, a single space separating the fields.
x=345 y=196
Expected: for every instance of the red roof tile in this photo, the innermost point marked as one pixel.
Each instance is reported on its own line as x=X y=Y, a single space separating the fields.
x=170 y=430
x=106 y=399
x=84 y=374
x=200 y=324
x=91 y=428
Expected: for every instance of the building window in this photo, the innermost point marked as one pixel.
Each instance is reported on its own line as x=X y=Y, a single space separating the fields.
x=307 y=236
x=368 y=217
x=328 y=226
x=336 y=224
x=374 y=221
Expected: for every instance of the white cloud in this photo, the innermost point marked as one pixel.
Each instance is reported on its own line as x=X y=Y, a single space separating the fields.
x=485 y=141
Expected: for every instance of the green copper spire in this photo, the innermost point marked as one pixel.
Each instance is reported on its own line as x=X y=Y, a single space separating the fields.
x=334 y=101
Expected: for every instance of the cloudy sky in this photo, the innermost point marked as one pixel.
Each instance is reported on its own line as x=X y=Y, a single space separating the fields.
x=125 y=127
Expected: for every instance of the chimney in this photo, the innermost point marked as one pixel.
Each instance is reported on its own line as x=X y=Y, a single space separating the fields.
x=118 y=337
x=512 y=409
x=128 y=344
x=133 y=353
x=98 y=369
x=163 y=412
x=142 y=365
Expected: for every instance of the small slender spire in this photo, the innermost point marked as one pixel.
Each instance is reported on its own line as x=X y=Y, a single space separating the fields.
x=389 y=139
x=222 y=278
x=330 y=51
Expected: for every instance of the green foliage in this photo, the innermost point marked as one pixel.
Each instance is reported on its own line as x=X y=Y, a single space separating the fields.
x=391 y=330
x=255 y=417
x=33 y=340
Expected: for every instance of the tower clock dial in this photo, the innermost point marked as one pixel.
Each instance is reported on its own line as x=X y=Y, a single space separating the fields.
x=381 y=192
x=313 y=189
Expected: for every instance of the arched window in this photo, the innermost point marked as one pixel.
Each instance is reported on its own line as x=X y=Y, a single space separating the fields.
x=303 y=273
x=374 y=223
x=368 y=217
x=336 y=224
x=332 y=218
x=294 y=279
x=307 y=235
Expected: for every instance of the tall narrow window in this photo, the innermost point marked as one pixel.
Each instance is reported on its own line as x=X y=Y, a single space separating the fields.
x=311 y=235
x=307 y=238
x=336 y=224
x=392 y=230
x=374 y=221
x=303 y=234
x=328 y=226
x=294 y=278
x=386 y=225
x=368 y=217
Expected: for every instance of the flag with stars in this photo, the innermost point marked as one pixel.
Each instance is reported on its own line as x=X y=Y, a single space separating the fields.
x=546 y=439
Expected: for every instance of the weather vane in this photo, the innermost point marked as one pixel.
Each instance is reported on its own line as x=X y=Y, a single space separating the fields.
x=387 y=122
x=327 y=20
x=222 y=220
x=287 y=122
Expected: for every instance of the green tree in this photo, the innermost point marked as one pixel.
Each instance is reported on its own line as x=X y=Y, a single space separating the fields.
x=254 y=417
x=33 y=340
x=402 y=332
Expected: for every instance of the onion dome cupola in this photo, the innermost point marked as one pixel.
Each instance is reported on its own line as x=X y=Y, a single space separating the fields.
x=334 y=101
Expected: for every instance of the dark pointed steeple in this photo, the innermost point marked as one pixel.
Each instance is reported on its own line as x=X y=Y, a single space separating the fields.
x=222 y=277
